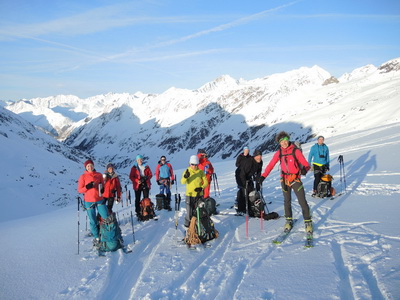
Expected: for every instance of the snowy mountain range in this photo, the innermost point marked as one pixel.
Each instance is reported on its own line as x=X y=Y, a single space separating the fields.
x=221 y=116
x=45 y=141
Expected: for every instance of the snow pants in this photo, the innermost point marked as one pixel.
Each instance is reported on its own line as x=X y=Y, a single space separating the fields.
x=190 y=208
x=165 y=188
x=319 y=171
x=298 y=189
x=92 y=214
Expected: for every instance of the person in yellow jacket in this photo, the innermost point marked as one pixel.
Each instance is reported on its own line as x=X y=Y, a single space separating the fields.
x=195 y=180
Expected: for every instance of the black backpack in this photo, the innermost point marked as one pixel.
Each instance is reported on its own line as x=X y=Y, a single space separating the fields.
x=323 y=189
x=256 y=205
x=162 y=202
x=205 y=226
x=211 y=206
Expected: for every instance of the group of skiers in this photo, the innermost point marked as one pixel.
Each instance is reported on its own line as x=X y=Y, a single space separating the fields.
x=293 y=164
x=101 y=190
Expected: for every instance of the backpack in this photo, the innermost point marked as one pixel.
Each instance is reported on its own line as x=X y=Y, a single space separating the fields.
x=160 y=198
x=297 y=146
x=323 y=189
x=211 y=206
x=256 y=205
x=110 y=234
x=328 y=178
x=201 y=228
x=146 y=210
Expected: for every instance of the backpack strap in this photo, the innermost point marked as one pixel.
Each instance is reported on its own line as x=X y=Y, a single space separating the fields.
x=285 y=161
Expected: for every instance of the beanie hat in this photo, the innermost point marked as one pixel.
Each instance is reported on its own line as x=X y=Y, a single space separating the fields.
x=257 y=152
x=282 y=136
x=89 y=161
x=163 y=157
x=110 y=165
x=201 y=151
x=194 y=160
x=139 y=157
x=246 y=148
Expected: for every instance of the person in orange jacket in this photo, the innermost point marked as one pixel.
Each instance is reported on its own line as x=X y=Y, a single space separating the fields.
x=112 y=187
x=140 y=176
x=208 y=169
x=91 y=184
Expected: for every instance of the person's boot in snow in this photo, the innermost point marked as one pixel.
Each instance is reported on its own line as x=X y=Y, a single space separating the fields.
x=288 y=225
x=308 y=226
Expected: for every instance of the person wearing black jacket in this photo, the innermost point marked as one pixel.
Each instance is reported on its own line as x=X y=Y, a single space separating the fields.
x=250 y=168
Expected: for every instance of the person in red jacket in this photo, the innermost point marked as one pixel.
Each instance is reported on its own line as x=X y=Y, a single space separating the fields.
x=290 y=158
x=140 y=176
x=91 y=184
x=112 y=187
x=208 y=169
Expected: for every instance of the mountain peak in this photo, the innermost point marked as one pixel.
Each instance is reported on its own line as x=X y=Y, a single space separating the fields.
x=392 y=65
x=224 y=81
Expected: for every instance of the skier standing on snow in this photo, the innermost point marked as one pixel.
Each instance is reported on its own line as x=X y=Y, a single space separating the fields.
x=244 y=155
x=196 y=182
x=165 y=177
x=250 y=168
x=318 y=158
x=91 y=184
x=208 y=169
x=112 y=187
x=140 y=176
x=289 y=158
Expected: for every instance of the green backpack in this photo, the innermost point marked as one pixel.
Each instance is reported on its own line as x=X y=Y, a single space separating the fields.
x=110 y=234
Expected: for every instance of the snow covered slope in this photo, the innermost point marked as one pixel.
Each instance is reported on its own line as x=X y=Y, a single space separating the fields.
x=38 y=172
x=357 y=242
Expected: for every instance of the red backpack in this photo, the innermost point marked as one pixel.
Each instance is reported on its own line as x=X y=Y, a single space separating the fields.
x=146 y=210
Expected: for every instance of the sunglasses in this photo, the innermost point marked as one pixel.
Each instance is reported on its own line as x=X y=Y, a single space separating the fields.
x=193 y=164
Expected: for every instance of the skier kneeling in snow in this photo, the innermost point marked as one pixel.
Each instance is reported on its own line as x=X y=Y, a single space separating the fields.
x=195 y=180
x=290 y=158
x=91 y=184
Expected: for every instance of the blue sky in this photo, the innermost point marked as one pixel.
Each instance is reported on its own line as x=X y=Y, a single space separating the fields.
x=86 y=48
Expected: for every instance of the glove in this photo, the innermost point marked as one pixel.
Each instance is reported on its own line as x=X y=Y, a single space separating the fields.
x=159 y=182
x=172 y=182
x=198 y=190
x=261 y=179
x=102 y=190
x=187 y=174
x=89 y=185
x=118 y=200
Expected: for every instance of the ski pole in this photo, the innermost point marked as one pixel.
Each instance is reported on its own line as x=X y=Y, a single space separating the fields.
x=247 y=209
x=78 y=222
x=262 y=197
x=216 y=180
x=133 y=229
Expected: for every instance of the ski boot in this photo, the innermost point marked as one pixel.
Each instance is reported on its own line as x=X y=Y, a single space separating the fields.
x=308 y=226
x=288 y=225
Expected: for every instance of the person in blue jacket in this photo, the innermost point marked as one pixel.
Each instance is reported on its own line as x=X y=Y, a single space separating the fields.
x=319 y=160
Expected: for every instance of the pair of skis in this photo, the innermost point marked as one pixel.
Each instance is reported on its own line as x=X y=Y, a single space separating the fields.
x=308 y=243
